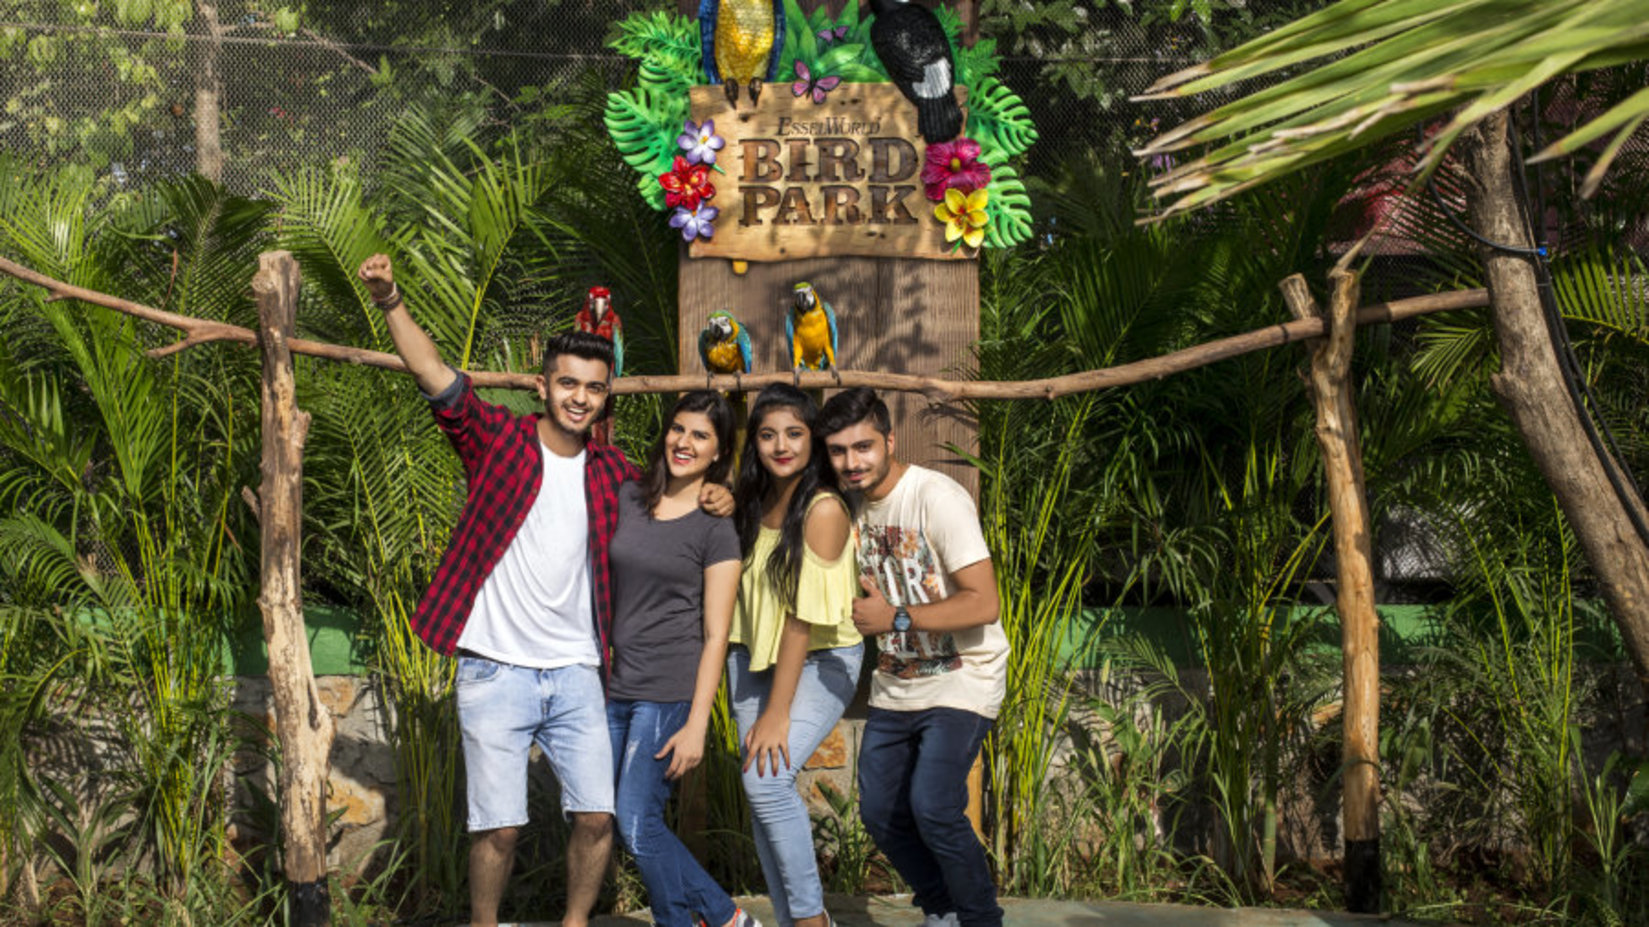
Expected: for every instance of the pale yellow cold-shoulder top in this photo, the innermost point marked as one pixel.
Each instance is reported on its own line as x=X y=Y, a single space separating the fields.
x=825 y=591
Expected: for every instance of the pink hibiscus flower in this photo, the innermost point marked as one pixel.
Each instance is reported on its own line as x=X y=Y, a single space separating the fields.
x=954 y=165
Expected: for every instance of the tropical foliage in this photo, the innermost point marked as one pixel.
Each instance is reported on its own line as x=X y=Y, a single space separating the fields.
x=646 y=120
x=1190 y=755
x=1396 y=64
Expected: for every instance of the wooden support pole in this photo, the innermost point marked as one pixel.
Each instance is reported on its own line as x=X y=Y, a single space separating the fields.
x=1333 y=398
x=303 y=724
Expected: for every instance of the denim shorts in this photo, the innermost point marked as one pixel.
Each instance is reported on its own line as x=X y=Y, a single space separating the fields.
x=504 y=709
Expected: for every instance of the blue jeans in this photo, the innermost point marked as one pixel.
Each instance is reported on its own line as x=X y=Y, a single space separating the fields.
x=503 y=709
x=778 y=815
x=913 y=798
x=677 y=886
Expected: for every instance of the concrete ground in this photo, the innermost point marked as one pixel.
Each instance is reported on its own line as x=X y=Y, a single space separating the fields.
x=896 y=911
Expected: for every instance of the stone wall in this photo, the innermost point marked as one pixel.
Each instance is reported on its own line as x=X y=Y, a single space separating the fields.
x=362 y=778
x=361 y=784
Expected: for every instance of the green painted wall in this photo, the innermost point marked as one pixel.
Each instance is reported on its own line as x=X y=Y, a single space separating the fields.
x=337 y=647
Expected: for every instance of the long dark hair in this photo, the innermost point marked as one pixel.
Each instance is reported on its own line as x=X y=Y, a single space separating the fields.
x=715 y=407
x=784 y=567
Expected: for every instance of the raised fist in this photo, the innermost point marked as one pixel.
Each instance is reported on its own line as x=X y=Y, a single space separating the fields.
x=378 y=276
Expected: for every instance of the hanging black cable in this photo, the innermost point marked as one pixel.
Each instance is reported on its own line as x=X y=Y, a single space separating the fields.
x=1587 y=409
x=1598 y=432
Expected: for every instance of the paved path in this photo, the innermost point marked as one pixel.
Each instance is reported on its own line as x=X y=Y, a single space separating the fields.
x=895 y=911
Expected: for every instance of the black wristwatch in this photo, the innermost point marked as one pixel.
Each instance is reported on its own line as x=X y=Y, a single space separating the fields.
x=901 y=619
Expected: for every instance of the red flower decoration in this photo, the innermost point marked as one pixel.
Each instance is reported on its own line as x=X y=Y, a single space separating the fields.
x=954 y=165
x=687 y=185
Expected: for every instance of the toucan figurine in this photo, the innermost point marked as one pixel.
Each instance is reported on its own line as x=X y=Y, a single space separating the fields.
x=912 y=47
x=742 y=40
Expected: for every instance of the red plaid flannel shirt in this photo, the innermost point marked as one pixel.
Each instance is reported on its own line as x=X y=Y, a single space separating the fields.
x=503 y=468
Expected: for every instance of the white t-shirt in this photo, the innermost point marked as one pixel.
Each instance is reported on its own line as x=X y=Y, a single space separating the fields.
x=909 y=544
x=535 y=607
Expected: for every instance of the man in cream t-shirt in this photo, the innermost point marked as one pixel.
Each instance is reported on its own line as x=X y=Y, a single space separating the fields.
x=941 y=671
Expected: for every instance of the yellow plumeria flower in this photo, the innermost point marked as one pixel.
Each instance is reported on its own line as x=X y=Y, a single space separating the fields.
x=964 y=215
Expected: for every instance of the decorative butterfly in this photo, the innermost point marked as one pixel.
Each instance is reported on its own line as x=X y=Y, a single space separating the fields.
x=807 y=83
x=833 y=35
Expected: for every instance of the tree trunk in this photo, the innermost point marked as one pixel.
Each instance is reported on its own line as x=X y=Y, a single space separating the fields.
x=1332 y=397
x=1530 y=386
x=209 y=96
x=302 y=723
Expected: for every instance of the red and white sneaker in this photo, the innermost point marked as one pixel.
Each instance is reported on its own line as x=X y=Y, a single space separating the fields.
x=740 y=919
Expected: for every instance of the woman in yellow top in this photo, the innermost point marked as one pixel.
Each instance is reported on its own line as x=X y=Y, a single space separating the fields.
x=795 y=656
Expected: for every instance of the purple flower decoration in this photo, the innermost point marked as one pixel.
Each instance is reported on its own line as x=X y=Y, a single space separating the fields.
x=695 y=223
x=700 y=142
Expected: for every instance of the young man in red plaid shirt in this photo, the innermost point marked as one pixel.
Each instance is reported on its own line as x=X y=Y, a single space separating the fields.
x=522 y=596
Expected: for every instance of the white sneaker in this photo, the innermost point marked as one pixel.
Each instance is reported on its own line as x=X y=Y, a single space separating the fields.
x=942 y=920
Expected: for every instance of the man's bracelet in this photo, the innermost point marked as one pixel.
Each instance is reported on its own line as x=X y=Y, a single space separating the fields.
x=392 y=301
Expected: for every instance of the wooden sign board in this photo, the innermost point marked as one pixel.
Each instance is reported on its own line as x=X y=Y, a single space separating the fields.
x=893 y=314
x=805 y=179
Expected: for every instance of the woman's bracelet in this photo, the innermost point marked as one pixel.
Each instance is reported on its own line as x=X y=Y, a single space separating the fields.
x=392 y=301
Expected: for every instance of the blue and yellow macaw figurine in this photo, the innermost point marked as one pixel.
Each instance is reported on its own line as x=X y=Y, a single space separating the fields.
x=810 y=326
x=724 y=345
x=742 y=40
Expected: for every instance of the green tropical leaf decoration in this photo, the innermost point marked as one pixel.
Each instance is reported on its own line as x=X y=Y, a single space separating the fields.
x=952 y=24
x=800 y=41
x=858 y=72
x=663 y=81
x=644 y=126
x=851 y=58
x=1009 y=209
x=974 y=65
x=838 y=57
x=650 y=190
x=665 y=39
x=644 y=122
x=1000 y=122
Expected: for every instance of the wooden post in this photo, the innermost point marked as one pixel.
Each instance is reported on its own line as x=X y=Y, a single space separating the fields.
x=1332 y=396
x=302 y=723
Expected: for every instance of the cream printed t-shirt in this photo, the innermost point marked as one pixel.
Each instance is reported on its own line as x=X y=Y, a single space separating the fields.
x=909 y=544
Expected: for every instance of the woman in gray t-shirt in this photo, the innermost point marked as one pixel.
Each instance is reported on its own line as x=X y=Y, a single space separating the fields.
x=675 y=575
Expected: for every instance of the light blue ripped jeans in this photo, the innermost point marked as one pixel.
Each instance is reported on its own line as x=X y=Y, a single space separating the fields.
x=677 y=886
x=782 y=830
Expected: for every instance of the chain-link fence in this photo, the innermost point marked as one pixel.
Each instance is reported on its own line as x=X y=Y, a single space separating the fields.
x=241 y=89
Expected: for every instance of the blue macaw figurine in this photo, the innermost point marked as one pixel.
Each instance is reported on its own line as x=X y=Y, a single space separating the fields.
x=742 y=40
x=724 y=345
x=810 y=328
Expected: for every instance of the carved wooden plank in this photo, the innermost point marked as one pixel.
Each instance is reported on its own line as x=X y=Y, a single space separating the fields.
x=302 y=723
x=909 y=316
x=805 y=179
x=1333 y=397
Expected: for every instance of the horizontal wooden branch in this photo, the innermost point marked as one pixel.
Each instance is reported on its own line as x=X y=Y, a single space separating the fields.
x=937 y=389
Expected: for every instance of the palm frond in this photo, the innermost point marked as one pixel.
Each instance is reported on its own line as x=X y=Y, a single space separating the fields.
x=1392 y=65
x=1605 y=289
x=329 y=229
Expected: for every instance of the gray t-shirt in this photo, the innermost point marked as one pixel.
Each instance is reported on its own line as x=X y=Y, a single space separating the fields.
x=658 y=596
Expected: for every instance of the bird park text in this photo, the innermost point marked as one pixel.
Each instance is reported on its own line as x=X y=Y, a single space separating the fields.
x=834 y=167
x=799 y=178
